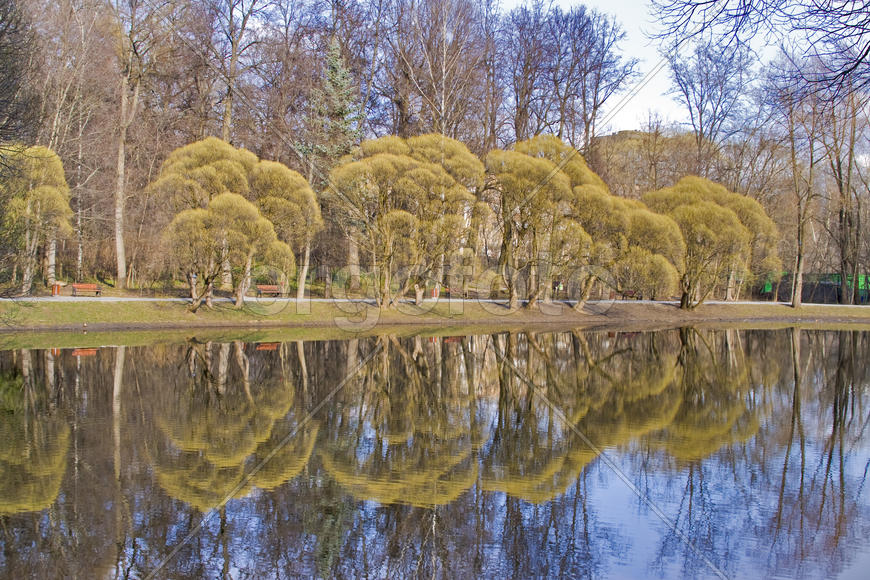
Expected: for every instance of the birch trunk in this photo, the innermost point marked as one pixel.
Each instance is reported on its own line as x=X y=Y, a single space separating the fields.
x=303 y=272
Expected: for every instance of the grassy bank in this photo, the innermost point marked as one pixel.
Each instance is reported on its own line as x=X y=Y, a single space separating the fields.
x=83 y=323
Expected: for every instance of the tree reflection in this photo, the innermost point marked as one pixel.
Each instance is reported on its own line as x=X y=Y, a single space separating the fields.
x=443 y=456
x=716 y=409
x=411 y=436
x=223 y=425
x=34 y=443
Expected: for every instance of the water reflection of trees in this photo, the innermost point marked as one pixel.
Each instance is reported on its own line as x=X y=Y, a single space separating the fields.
x=407 y=429
x=443 y=456
x=716 y=409
x=34 y=442
x=221 y=425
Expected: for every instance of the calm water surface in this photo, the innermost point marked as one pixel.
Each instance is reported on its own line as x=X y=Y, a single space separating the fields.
x=684 y=453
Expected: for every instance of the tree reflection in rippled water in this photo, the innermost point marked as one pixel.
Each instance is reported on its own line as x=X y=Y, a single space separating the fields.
x=445 y=456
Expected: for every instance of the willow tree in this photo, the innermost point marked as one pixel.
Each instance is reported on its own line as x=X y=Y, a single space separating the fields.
x=527 y=190
x=619 y=236
x=35 y=200
x=286 y=199
x=449 y=204
x=729 y=239
x=193 y=176
x=409 y=205
x=229 y=231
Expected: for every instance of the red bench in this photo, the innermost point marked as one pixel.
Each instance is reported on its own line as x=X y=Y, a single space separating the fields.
x=84 y=352
x=79 y=288
x=268 y=289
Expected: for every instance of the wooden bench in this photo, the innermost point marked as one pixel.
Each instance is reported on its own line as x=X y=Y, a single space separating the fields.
x=268 y=289
x=79 y=288
x=84 y=352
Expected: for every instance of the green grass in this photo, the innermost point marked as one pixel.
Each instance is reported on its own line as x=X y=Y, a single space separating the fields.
x=96 y=323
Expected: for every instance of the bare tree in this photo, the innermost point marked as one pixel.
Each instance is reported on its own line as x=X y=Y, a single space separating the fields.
x=234 y=36
x=800 y=115
x=835 y=34
x=141 y=29
x=840 y=139
x=528 y=51
x=437 y=44
x=17 y=105
x=711 y=83
x=585 y=70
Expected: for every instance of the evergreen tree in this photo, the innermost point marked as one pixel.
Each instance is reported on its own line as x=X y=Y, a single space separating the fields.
x=335 y=124
x=334 y=129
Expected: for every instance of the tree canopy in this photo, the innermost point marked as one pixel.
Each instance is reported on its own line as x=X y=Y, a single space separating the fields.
x=34 y=199
x=729 y=238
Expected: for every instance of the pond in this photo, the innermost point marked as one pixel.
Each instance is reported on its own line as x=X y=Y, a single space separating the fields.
x=678 y=453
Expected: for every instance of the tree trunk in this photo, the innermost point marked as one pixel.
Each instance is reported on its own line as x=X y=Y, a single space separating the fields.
x=585 y=291
x=353 y=262
x=327 y=282
x=80 y=242
x=227 y=121
x=244 y=283
x=51 y=257
x=191 y=281
x=797 y=285
x=128 y=111
x=418 y=294
x=31 y=239
x=730 y=294
x=303 y=272
x=534 y=290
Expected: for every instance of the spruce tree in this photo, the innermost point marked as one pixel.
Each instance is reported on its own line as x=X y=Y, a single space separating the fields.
x=334 y=124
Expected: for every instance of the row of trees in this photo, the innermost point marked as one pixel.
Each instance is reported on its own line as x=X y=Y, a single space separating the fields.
x=425 y=210
x=418 y=211
x=303 y=83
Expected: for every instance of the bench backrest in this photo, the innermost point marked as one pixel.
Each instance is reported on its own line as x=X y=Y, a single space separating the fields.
x=84 y=286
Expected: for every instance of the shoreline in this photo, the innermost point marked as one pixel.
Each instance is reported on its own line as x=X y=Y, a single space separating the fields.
x=68 y=322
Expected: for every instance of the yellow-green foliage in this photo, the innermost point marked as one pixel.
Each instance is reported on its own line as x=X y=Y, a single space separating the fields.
x=545 y=187
x=648 y=274
x=725 y=233
x=230 y=229
x=211 y=183
x=657 y=234
x=452 y=155
x=190 y=242
x=527 y=184
x=763 y=234
x=286 y=199
x=390 y=144
x=213 y=434
x=565 y=157
x=194 y=174
x=36 y=194
x=428 y=180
